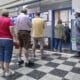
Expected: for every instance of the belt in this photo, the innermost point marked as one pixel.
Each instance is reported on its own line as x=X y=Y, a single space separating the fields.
x=25 y=31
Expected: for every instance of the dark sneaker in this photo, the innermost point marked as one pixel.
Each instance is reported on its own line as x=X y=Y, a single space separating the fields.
x=78 y=54
x=26 y=64
x=60 y=50
x=34 y=55
x=30 y=64
x=43 y=57
x=20 y=62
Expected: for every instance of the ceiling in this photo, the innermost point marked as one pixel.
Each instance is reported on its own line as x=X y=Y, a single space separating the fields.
x=10 y=3
x=6 y=2
x=13 y=3
x=46 y=2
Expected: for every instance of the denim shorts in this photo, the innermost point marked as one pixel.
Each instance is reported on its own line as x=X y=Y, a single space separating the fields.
x=6 y=49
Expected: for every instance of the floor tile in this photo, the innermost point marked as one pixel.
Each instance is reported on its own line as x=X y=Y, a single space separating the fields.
x=2 y=78
x=58 y=61
x=56 y=66
x=69 y=63
x=76 y=70
x=13 y=77
x=72 y=76
x=36 y=74
x=65 y=67
x=50 y=77
x=58 y=72
x=73 y=60
x=63 y=58
x=64 y=79
x=41 y=62
x=48 y=59
x=52 y=64
x=24 y=70
x=36 y=66
x=45 y=69
x=77 y=65
x=25 y=78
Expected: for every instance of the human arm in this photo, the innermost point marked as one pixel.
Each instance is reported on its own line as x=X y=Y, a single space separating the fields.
x=44 y=24
x=77 y=23
x=29 y=22
x=12 y=31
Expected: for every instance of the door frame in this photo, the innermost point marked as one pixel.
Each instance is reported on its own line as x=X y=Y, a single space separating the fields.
x=53 y=19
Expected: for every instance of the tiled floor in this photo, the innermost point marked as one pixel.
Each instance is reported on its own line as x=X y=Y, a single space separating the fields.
x=56 y=66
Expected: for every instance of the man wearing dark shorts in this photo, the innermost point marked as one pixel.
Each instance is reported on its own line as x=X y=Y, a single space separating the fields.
x=24 y=25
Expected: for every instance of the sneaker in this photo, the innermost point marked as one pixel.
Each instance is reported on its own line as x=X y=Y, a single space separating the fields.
x=1 y=73
x=55 y=50
x=34 y=55
x=78 y=54
x=9 y=73
x=60 y=50
x=20 y=62
x=29 y=64
x=43 y=57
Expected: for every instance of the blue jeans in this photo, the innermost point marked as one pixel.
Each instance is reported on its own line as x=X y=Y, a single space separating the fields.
x=58 y=43
x=6 y=48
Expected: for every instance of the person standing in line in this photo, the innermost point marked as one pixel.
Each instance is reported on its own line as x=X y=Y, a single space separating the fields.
x=67 y=33
x=24 y=26
x=58 y=35
x=6 y=42
x=77 y=25
x=38 y=26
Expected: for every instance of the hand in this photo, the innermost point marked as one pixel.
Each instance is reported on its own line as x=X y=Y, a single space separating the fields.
x=16 y=44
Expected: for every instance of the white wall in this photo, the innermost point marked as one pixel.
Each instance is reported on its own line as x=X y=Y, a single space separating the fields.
x=76 y=4
x=5 y=1
x=75 y=7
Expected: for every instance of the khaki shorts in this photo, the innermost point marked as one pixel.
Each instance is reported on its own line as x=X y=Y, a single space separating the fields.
x=24 y=38
x=38 y=40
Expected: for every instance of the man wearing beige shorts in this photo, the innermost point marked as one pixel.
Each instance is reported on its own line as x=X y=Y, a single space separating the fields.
x=38 y=33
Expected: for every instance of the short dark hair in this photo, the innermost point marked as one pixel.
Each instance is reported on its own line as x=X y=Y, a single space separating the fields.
x=24 y=11
x=59 y=21
x=5 y=13
x=78 y=14
x=37 y=14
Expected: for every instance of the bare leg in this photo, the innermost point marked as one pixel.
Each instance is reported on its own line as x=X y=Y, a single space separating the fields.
x=42 y=51
x=2 y=68
x=19 y=54
x=7 y=71
x=6 y=67
x=42 y=47
x=20 y=61
x=26 y=55
x=2 y=65
x=33 y=50
x=29 y=61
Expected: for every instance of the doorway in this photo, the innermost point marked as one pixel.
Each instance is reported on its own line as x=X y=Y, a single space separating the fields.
x=64 y=15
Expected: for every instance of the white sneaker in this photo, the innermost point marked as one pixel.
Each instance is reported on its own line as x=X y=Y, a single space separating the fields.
x=55 y=50
x=9 y=73
x=1 y=73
